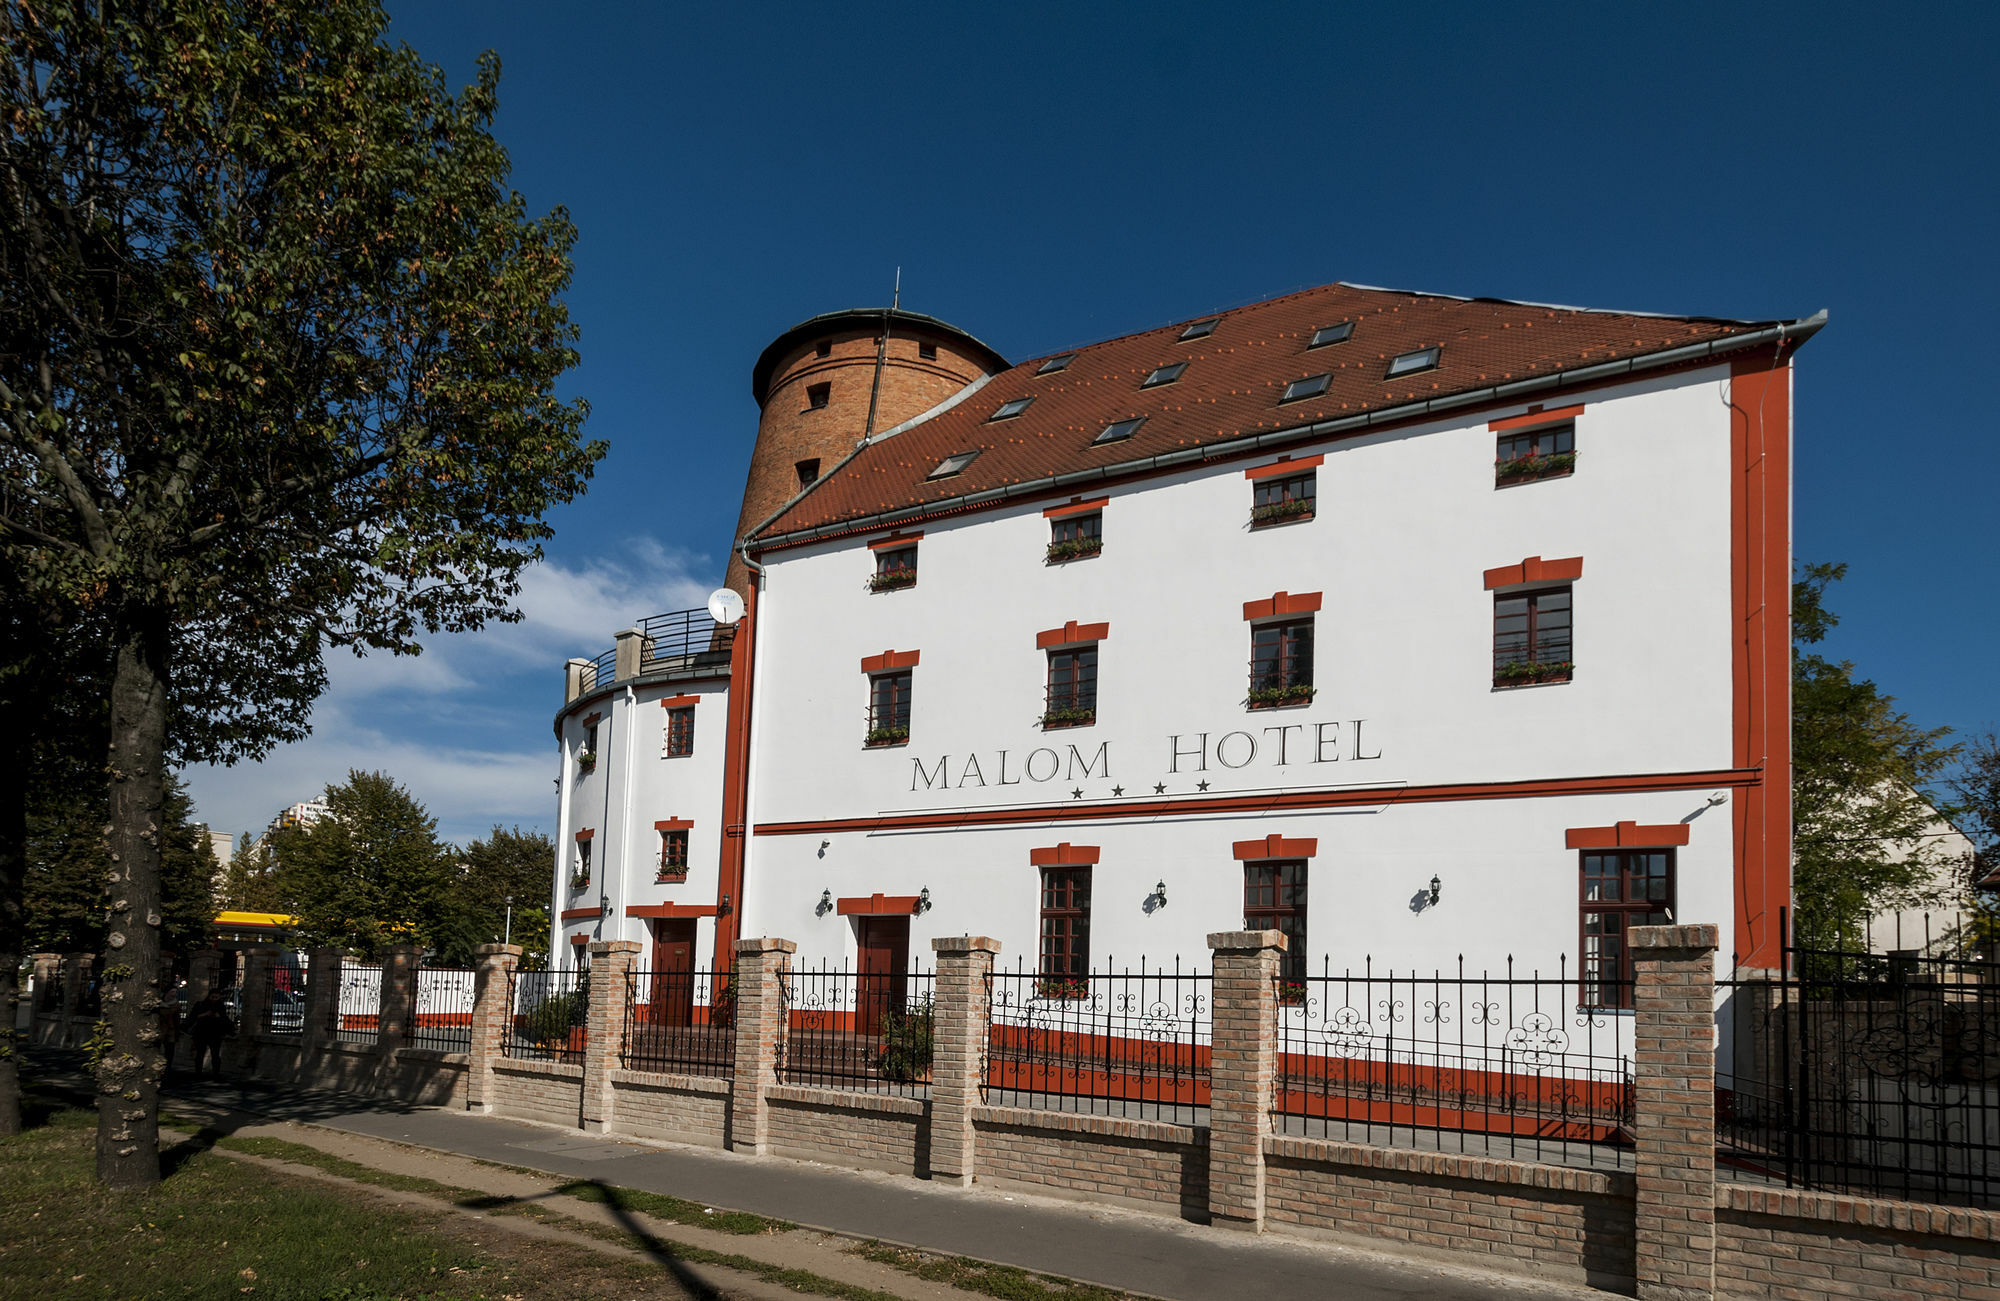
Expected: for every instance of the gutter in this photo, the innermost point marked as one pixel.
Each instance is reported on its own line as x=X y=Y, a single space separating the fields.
x=1794 y=332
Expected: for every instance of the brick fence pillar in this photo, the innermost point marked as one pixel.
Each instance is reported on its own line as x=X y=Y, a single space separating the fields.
x=76 y=973
x=253 y=1008
x=959 y=1026
x=762 y=967
x=204 y=974
x=322 y=1000
x=1243 y=1056
x=492 y=1019
x=1673 y=1056
x=48 y=977
x=610 y=989
x=397 y=1010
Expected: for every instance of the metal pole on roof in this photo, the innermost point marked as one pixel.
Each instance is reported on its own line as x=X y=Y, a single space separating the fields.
x=881 y=352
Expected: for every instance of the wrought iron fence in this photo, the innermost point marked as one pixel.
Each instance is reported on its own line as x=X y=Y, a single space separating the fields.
x=680 y=1023
x=1120 y=1042
x=357 y=1010
x=285 y=997
x=1866 y=1073
x=549 y=1016
x=442 y=1016
x=1511 y=1064
x=868 y=1031
x=684 y=639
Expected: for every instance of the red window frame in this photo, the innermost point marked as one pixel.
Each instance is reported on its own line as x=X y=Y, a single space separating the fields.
x=1274 y=899
x=674 y=852
x=1275 y=491
x=1281 y=654
x=1548 y=440
x=1072 y=683
x=1618 y=889
x=1545 y=636
x=896 y=565
x=680 y=731
x=1065 y=924
x=889 y=699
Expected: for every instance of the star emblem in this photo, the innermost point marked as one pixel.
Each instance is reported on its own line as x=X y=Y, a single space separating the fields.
x=1159 y=788
x=1201 y=785
x=1117 y=790
x=1076 y=794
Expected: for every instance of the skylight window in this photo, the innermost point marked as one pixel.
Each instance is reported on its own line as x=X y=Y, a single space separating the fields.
x=1010 y=408
x=1409 y=363
x=1054 y=364
x=1200 y=329
x=1118 y=431
x=953 y=464
x=1311 y=386
x=1164 y=375
x=1326 y=334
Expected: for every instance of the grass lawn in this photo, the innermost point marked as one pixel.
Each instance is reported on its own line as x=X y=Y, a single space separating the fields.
x=222 y=1228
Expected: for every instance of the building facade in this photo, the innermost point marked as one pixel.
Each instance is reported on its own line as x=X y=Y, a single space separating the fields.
x=1421 y=629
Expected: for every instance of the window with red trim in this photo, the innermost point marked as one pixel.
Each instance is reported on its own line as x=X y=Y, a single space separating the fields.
x=1281 y=663
x=680 y=732
x=579 y=873
x=1277 y=500
x=674 y=855
x=1065 y=951
x=894 y=567
x=1075 y=537
x=1525 y=454
x=889 y=708
x=1531 y=637
x=1274 y=899
x=1072 y=691
x=1619 y=889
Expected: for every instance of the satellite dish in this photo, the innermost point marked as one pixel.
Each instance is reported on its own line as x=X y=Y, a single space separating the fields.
x=725 y=606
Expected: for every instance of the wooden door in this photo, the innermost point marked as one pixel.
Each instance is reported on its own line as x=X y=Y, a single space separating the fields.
x=673 y=970
x=884 y=969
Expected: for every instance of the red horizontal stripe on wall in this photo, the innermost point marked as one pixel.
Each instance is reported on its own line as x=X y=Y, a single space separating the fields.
x=1276 y=846
x=1534 y=418
x=890 y=660
x=1075 y=508
x=1535 y=570
x=1072 y=633
x=877 y=905
x=670 y=910
x=895 y=540
x=1063 y=855
x=1282 y=467
x=1627 y=835
x=1282 y=603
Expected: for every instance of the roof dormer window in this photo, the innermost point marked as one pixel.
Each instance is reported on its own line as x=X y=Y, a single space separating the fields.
x=1010 y=408
x=1311 y=386
x=954 y=464
x=1326 y=334
x=1163 y=375
x=1200 y=329
x=1054 y=364
x=1118 y=431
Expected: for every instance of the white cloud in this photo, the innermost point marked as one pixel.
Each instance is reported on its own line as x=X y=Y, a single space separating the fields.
x=468 y=730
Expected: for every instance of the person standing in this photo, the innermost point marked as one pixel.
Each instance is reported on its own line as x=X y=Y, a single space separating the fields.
x=208 y=1026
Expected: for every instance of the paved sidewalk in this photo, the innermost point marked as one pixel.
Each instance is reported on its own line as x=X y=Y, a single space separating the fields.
x=1105 y=1245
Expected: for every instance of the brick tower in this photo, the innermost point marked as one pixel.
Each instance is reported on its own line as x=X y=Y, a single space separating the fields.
x=815 y=384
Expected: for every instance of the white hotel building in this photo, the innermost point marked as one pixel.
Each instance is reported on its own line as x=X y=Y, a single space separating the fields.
x=1416 y=627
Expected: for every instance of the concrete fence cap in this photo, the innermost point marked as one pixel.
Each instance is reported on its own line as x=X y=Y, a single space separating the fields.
x=766 y=944
x=1694 y=935
x=613 y=946
x=965 y=944
x=1222 y=941
x=498 y=950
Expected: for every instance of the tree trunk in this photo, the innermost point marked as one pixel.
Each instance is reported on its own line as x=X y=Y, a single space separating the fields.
x=127 y=1046
x=13 y=886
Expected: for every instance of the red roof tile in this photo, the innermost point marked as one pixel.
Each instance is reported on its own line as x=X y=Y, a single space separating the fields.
x=1231 y=389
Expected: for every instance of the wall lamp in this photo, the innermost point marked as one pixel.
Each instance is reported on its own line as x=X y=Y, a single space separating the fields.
x=825 y=904
x=723 y=909
x=923 y=901
x=1159 y=899
x=1437 y=888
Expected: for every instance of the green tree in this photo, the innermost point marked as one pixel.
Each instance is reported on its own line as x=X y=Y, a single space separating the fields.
x=68 y=869
x=250 y=882
x=507 y=864
x=371 y=873
x=278 y=354
x=1862 y=773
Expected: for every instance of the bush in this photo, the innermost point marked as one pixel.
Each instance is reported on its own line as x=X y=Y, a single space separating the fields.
x=906 y=1043
x=555 y=1016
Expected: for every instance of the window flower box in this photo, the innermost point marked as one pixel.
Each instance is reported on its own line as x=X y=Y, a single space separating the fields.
x=579 y=880
x=888 y=580
x=1527 y=469
x=1062 y=987
x=1521 y=673
x=1068 y=718
x=672 y=875
x=586 y=760
x=880 y=736
x=1074 y=549
x=1281 y=512
x=1282 y=697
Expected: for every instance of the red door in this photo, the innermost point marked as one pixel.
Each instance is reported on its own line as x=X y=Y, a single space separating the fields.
x=885 y=965
x=673 y=971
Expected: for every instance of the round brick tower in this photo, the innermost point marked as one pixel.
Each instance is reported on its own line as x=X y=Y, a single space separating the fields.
x=814 y=386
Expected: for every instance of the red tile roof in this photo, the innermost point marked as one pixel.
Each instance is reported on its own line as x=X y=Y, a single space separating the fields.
x=1230 y=390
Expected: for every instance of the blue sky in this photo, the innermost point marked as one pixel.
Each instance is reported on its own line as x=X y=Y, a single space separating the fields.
x=1049 y=175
